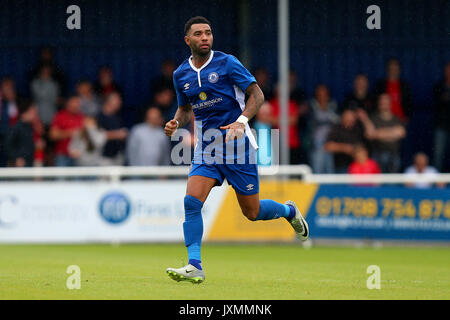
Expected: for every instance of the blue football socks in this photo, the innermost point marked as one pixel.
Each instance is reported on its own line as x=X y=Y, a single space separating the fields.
x=193 y=229
x=270 y=210
x=196 y=263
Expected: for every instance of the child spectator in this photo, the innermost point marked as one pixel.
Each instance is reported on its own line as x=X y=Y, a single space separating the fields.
x=362 y=164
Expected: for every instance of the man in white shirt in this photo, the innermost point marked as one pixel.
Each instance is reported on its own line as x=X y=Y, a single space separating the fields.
x=423 y=172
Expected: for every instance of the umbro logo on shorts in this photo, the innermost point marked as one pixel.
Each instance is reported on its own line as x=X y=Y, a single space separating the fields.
x=250 y=187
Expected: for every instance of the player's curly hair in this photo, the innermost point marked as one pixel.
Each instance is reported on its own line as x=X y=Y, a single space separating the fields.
x=194 y=20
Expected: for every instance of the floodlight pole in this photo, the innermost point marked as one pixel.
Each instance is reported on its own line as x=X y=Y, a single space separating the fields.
x=283 y=77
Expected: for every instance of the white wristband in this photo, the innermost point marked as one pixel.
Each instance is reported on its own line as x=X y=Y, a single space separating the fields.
x=242 y=119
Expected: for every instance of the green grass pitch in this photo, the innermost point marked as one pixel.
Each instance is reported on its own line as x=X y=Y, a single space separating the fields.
x=232 y=272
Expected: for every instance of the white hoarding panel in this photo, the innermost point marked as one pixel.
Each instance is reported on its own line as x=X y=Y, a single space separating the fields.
x=97 y=211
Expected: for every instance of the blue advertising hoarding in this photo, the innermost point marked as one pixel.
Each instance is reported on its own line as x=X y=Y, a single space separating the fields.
x=386 y=212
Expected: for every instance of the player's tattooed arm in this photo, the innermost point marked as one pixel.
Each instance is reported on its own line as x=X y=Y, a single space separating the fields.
x=182 y=117
x=255 y=100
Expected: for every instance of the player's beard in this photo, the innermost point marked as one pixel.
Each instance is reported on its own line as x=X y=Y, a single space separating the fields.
x=199 y=52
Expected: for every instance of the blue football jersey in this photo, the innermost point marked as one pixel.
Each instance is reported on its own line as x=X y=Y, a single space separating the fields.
x=216 y=92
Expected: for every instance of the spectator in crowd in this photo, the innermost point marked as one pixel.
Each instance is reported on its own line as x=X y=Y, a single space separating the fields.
x=90 y=104
x=423 y=172
x=147 y=144
x=164 y=100
x=263 y=126
x=10 y=99
x=442 y=122
x=343 y=138
x=65 y=125
x=359 y=98
x=299 y=96
x=40 y=143
x=45 y=92
x=86 y=145
x=293 y=117
x=385 y=131
x=46 y=59
x=105 y=84
x=8 y=115
x=397 y=89
x=362 y=164
x=296 y=92
x=164 y=80
x=322 y=119
x=109 y=120
x=21 y=141
x=262 y=76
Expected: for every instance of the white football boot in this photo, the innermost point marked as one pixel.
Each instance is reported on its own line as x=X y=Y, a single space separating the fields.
x=299 y=223
x=186 y=273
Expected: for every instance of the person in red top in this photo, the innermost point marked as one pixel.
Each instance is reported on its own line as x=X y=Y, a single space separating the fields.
x=362 y=164
x=64 y=125
x=397 y=89
x=293 y=117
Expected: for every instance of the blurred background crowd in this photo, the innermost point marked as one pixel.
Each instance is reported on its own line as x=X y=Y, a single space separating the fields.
x=51 y=125
x=366 y=131
x=361 y=100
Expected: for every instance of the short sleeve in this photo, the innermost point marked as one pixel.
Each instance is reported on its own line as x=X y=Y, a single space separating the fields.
x=239 y=74
x=181 y=97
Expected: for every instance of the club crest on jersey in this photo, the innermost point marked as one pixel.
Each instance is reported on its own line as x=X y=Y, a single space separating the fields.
x=213 y=77
x=202 y=95
x=186 y=86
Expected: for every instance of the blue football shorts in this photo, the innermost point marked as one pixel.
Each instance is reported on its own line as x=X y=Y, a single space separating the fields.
x=242 y=177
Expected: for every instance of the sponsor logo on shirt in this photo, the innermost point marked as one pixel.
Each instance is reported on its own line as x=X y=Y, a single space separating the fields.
x=206 y=104
x=202 y=96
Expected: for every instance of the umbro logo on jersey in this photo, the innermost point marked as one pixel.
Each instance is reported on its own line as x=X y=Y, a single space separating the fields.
x=250 y=187
x=186 y=86
x=213 y=77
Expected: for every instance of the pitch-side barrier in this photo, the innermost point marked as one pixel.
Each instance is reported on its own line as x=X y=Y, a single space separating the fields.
x=145 y=204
